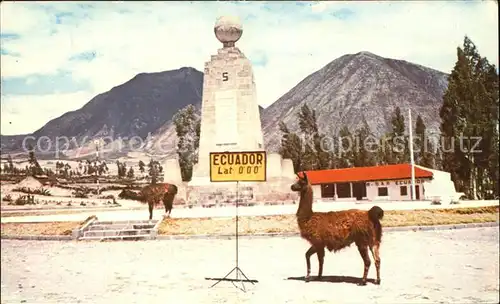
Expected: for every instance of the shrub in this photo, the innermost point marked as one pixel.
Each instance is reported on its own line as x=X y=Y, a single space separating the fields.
x=24 y=200
x=79 y=193
x=7 y=198
x=111 y=188
x=39 y=191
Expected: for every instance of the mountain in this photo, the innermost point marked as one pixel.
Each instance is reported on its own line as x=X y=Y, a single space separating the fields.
x=348 y=90
x=138 y=107
x=358 y=87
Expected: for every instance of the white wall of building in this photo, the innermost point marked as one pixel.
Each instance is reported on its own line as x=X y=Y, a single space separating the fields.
x=372 y=190
x=394 y=189
x=441 y=187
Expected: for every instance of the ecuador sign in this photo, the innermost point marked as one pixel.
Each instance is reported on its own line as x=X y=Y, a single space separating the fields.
x=238 y=166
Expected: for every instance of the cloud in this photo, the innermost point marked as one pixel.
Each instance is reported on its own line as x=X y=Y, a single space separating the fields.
x=22 y=114
x=100 y=45
x=61 y=81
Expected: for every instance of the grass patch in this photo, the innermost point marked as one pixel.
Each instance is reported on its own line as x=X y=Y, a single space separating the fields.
x=288 y=223
x=52 y=228
x=43 y=228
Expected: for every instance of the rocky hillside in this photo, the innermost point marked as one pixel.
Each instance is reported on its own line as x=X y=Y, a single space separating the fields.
x=359 y=87
x=139 y=107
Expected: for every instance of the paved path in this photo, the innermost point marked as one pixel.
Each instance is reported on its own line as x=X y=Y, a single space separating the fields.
x=230 y=211
x=452 y=266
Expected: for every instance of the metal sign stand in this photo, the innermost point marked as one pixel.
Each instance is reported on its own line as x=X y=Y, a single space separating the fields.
x=236 y=269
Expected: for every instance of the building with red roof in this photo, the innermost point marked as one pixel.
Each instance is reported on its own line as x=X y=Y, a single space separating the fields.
x=388 y=182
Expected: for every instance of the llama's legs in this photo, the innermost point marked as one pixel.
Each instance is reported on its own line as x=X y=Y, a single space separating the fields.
x=321 y=259
x=376 y=257
x=363 y=251
x=309 y=252
x=150 y=205
x=166 y=209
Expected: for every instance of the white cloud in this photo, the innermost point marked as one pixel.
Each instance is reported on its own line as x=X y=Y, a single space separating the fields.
x=27 y=113
x=163 y=36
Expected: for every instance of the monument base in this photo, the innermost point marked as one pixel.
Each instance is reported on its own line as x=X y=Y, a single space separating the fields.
x=208 y=193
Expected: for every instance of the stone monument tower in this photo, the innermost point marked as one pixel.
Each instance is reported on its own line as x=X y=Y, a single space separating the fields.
x=230 y=119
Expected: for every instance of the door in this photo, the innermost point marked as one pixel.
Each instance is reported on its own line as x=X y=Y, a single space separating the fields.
x=417 y=192
x=359 y=190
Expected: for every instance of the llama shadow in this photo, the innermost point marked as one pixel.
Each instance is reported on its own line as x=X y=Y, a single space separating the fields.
x=333 y=279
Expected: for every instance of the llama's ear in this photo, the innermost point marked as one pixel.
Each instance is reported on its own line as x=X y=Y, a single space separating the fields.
x=305 y=176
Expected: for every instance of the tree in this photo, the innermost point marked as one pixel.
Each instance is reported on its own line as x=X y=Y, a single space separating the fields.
x=386 y=156
x=365 y=153
x=424 y=148
x=122 y=169
x=154 y=170
x=66 y=169
x=130 y=173
x=315 y=156
x=291 y=147
x=187 y=127
x=469 y=124
x=399 y=142
x=346 y=147
x=11 y=164
x=34 y=167
x=141 y=166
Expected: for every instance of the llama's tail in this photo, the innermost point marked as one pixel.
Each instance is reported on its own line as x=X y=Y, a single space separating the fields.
x=375 y=214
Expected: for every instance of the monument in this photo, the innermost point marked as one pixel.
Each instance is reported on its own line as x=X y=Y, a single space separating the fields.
x=230 y=118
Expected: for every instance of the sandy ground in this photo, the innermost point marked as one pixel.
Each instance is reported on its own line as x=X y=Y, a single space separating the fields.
x=199 y=212
x=452 y=266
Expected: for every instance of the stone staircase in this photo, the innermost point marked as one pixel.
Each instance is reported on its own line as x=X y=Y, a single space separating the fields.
x=119 y=230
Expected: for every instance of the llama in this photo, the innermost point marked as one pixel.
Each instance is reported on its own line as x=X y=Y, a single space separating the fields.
x=336 y=230
x=154 y=193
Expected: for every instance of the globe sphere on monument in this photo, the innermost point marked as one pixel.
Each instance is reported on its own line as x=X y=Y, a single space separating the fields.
x=228 y=30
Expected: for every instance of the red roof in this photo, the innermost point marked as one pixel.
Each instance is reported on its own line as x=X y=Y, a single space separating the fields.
x=375 y=173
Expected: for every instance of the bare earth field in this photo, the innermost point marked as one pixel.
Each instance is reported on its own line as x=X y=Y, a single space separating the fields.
x=450 y=266
x=271 y=224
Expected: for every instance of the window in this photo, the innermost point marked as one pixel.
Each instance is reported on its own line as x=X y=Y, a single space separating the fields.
x=344 y=190
x=403 y=191
x=327 y=190
x=383 y=191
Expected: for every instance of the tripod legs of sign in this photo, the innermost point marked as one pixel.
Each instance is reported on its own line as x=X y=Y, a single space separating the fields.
x=237 y=268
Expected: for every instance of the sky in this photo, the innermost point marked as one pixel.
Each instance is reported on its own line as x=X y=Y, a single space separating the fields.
x=55 y=57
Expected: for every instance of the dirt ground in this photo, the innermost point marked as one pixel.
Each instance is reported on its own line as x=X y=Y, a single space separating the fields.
x=270 y=224
x=424 y=267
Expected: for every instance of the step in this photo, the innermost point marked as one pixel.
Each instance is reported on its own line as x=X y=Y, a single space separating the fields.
x=115 y=237
x=151 y=222
x=123 y=232
x=120 y=226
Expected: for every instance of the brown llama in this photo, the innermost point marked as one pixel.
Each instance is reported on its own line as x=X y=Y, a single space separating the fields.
x=154 y=193
x=336 y=230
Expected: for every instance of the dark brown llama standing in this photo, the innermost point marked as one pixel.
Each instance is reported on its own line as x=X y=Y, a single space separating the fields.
x=154 y=193
x=336 y=230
